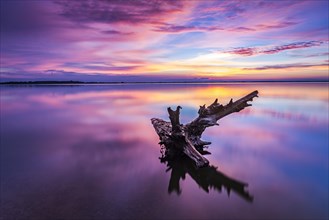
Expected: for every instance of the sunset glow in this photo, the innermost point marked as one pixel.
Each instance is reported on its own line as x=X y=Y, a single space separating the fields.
x=143 y=41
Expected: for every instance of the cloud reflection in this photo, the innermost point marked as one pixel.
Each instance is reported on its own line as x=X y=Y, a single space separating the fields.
x=90 y=152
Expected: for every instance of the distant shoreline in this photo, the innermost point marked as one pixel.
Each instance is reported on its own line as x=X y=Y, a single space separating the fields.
x=178 y=82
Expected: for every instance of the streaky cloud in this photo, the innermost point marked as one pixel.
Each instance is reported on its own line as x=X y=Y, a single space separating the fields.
x=311 y=55
x=185 y=28
x=283 y=24
x=117 y=11
x=287 y=66
x=244 y=51
x=291 y=46
x=115 y=32
x=99 y=66
x=250 y=51
x=263 y=27
x=242 y=29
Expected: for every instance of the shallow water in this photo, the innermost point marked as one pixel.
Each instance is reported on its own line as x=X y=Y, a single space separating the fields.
x=90 y=152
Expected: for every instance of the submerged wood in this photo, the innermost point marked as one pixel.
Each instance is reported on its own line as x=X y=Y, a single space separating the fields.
x=179 y=139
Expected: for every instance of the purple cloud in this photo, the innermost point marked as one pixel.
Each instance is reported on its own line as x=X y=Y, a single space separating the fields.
x=250 y=51
x=239 y=12
x=190 y=28
x=243 y=51
x=99 y=66
x=283 y=24
x=242 y=29
x=115 y=32
x=311 y=55
x=291 y=46
x=21 y=17
x=262 y=27
x=117 y=11
x=184 y=28
x=286 y=66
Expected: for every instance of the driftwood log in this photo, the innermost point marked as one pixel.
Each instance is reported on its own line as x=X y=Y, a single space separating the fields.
x=178 y=139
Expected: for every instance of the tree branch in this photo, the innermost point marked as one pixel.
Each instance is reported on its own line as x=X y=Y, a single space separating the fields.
x=174 y=119
x=181 y=139
x=209 y=116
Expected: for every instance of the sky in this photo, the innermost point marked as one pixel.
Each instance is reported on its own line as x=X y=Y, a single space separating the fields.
x=164 y=40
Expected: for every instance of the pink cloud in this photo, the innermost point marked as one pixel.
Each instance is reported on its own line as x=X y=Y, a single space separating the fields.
x=245 y=51
x=185 y=28
x=291 y=46
x=283 y=24
x=250 y=51
x=116 y=11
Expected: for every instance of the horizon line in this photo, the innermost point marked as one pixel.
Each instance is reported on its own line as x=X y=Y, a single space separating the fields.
x=157 y=82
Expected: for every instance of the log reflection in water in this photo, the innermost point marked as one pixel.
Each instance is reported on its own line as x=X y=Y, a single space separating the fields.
x=206 y=177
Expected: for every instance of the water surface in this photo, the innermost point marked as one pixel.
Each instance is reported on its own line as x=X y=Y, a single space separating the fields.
x=90 y=152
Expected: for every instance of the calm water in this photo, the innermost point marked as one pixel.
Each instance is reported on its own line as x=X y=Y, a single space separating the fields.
x=90 y=152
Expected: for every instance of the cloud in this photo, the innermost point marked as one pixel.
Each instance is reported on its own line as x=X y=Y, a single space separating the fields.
x=242 y=29
x=99 y=66
x=224 y=9
x=169 y=28
x=184 y=28
x=118 y=11
x=115 y=32
x=23 y=17
x=311 y=55
x=232 y=16
x=263 y=27
x=287 y=66
x=254 y=15
x=283 y=24
x=291 y=46
x=243 y=51
x=250 y=51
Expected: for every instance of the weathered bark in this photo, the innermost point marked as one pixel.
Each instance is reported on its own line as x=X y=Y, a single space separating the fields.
x=209 y=116
x=181 y=139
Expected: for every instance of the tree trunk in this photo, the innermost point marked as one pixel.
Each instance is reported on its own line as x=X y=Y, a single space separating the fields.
x=179 y=139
